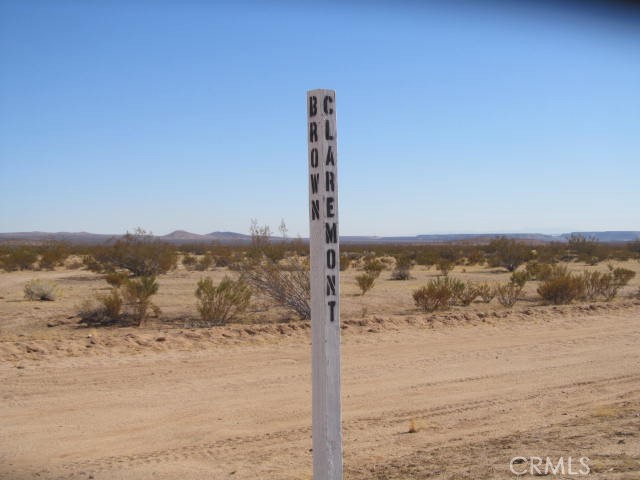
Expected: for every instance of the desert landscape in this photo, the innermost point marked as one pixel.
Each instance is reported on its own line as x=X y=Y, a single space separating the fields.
x=448 y=394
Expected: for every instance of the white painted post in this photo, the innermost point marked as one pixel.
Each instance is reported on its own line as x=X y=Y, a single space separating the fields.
x=325 y=284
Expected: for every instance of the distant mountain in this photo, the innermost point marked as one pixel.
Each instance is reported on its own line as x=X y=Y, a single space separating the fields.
x=181 y=237
x=628 y=236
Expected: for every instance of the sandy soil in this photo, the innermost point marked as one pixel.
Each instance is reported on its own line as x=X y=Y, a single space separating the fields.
x=481 y=384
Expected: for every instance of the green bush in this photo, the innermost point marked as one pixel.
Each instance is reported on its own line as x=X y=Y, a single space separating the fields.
x=365 y=281
x=138 y=293
x=40 y=289
x=218 y=305
x=436 y=295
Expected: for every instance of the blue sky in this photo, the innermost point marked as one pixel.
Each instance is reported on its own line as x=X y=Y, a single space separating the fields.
x=453 y=116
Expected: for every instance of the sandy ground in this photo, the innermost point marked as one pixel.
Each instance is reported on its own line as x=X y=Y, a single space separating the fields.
x=482 y=384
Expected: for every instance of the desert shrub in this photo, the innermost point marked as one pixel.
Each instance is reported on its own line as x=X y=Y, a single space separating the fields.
x=621 y=276
x=486 y=292
x=287 y=284
x=598 y=284
x=53 y=255
x=116 y=279
x=507 y=253
x=538 y=271
x=508 y=293
x=18 y=258
x=365 y=281
x=402 y=270
x=219 y=304
x=104 y=310
x=40 y=289
x=445 y=266
x=189 y=261
x=112 y=304
x=138 y=293
x=562 y=288
x=586 y=249
x=138 y=253
x=205 y=262
x=372 y=266
x=436 y=295
x=519 y=278
x=466 y=295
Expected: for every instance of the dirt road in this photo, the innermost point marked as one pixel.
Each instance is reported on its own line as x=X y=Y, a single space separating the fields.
x=552 y=385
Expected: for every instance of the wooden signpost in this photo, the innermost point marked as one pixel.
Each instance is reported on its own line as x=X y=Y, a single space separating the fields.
x=325 y=284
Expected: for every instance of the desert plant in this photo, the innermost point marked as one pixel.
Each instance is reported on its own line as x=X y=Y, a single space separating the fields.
x=40 y=289
x=468 y=293
x=587 y=249
x=365 y=281
x=436 y=295
x=402 y=270
x=562 y=288
x=445 y=266
x=519 y=278
x=507 y=253
x=189 y=261
x=205 y=262
x=138 y=293
x=116 y=279
x=486 y=292
x=287 y=284
x=219 y=304
x=508 y=293
x=372 y=266
x=595 y=283
x=138 y=253
x=539 y=271
x=53 y=255
x=18 y=258
x=621 y=276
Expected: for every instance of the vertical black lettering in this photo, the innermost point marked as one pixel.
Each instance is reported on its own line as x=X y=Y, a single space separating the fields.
x=331 y=258
x=330 y=207
x=329 y=182
x=313 y=106
x=328 y=110
x=332 y=305
x=314 y=182
x=315 y=209
x=314 y=158
x=331 y=233
x=331 y=285
x=313 y=132
x=327 y=130
x=330 y=160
